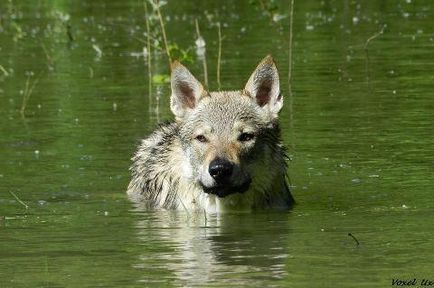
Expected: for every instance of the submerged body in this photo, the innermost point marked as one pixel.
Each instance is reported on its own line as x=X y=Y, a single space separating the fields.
x=222 y=153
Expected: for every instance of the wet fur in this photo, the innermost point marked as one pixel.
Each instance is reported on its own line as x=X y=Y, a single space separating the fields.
x=164 y=170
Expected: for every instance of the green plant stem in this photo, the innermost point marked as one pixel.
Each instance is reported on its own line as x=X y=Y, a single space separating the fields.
x=219 y=55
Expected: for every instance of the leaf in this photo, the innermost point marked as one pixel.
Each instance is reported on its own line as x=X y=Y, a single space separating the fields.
x=160 y=79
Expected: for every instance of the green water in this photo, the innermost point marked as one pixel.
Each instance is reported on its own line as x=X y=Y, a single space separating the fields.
x=359 y=129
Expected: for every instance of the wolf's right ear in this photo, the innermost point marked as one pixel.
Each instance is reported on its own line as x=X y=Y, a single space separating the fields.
x=186 y=90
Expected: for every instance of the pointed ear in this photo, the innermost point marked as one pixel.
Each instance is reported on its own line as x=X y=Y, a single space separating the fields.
x=186 y=90
x=264 y=87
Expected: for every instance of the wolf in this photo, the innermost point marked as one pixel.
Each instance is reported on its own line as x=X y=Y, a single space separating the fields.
x=222 y=153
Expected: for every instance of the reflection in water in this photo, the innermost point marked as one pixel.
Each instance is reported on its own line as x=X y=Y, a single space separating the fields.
x=197 y=250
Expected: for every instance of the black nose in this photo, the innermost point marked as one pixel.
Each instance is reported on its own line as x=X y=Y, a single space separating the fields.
x=220 y=169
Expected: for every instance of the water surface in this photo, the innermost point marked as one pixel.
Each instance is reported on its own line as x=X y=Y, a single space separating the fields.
x=359 y=128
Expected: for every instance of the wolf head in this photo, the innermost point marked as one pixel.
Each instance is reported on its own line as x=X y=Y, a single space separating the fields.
x=225 y=134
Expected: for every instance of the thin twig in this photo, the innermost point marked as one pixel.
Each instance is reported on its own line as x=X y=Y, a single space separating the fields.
x=156 y=47
x=197 y=28
x=291 y=14
x=355 y=239
x=219 y=55
x=69 y=32
x=367 y=52
x=148 y=45
x=205 y=67
x=33 y=86
x=163 y=31
x=290 y=94
x=374 y=36
x=4 y=70
x=28 y=90
x=19 y=200
x=97 y=50
x=47 y=55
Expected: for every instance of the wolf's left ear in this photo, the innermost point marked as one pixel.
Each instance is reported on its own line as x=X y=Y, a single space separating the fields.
x=264 y=87
x=186 y=90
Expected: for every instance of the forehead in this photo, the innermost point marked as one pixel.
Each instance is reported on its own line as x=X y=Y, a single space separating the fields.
x=224 y=110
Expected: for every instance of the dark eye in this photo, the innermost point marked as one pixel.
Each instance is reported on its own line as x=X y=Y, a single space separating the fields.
x=244 y=137
x=201 y=138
